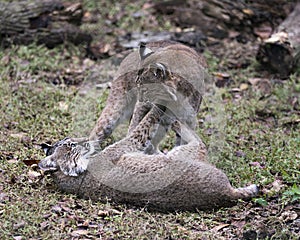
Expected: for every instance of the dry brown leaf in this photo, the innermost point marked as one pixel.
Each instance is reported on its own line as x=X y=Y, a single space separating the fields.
x=221 y=79
x=44 y=225
x=19 y=135
x=238 y=224
x=33 y=174
x=244 y=86
x=219 y=227
x=263 y=32
x=63 y=106
x=263 y=85
x=254 y=81
x=79 y=232
x=5 y=60
x=248 y=11
x=103 y=213
x=288 y=216
x=18 y=238
x=277 y=185
x=31 y=162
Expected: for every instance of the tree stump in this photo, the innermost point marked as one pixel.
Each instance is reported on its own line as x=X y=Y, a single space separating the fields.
x=281 y=52
x=45 y=22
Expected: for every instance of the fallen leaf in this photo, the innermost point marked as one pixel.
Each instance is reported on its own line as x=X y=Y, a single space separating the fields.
x=254 y=81
x=31 y=162
x=219 y=227
x=240 y=154
x=103 y=213
x=18 y=238
x=244 y=86
x=288 y=216
x=11 y=161
x=290 y=122
x=115 y=212
x=248 y=11
x=79 y=232
x=264 y=87
x=147 y=5
x=221 y=79
x=33 y=174
x=19 y=225
x=56 y=208
x=256 y=164
x=238 y=224
x=66 y=209
x=44 y=225
x=3 y=197
x=235 y=90
x=5 y=60
x=63 y=106
x=18 y=135
x=279 y=37
x=86 y=223
x=87 y=14
x=277 y=185
x=263 y=32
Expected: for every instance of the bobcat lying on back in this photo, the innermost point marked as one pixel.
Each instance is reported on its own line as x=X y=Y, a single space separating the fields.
x=181 y=179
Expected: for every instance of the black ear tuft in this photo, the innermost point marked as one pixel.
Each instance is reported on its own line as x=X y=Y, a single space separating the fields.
x=47 y=148
x=161 y=70
x=144 y=51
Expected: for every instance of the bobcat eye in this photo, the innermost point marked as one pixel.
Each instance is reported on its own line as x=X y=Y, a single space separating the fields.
x=73 y=145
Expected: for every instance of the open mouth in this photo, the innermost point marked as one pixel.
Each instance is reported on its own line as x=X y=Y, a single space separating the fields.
x=47 y=169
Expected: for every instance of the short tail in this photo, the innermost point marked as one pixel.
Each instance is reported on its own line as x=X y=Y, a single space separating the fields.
x=246 y=192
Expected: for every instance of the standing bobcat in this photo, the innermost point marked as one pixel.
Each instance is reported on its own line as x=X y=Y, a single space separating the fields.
x=181 y=179
x=165 y=73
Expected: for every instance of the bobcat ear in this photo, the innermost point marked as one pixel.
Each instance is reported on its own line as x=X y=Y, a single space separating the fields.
x=160 y=69
x=144 y=51
x=46 y=147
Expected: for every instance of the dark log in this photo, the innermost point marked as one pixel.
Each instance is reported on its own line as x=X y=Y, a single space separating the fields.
x=45 y=22
x=281 y=52
x=216 y=17
x=194 y=39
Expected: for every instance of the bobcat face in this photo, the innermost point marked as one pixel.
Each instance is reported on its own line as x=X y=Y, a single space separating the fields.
x=66 y=156
x=153 y=81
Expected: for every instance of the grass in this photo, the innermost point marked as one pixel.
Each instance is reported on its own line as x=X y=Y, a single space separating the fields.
x=38 y=98
x=34 y=111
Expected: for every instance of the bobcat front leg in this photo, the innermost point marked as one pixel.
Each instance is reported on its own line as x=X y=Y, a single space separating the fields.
x=119 y=107
x=140 y=111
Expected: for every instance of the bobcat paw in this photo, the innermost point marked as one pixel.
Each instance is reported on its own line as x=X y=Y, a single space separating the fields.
x=147 y=147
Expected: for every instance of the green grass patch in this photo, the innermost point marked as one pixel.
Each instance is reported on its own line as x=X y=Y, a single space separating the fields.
x=261 y=145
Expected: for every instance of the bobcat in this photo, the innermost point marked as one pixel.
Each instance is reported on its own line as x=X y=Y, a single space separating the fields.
x=180 y=180
x=165 y=73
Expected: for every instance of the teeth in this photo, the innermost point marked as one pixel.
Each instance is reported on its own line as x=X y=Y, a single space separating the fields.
x=48 y=169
